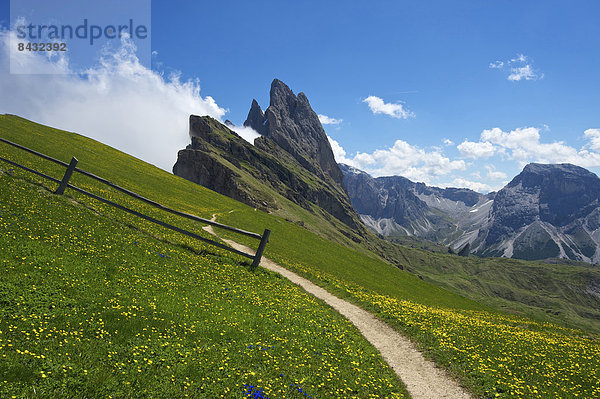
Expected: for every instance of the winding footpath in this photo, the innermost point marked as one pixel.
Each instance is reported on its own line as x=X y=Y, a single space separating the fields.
x=423 y=379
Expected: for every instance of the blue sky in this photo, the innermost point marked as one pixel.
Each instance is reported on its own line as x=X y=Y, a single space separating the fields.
x=461 y=93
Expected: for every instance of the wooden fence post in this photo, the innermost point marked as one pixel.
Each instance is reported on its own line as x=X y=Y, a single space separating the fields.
x=261 y=248
x=64 y=183
x=65 y=180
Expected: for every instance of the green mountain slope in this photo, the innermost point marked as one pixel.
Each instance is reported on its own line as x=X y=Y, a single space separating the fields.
x=95 y=303
x=452 y=329
x=183 y=195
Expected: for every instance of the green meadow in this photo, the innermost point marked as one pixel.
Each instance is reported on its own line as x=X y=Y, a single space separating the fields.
x=96 y=302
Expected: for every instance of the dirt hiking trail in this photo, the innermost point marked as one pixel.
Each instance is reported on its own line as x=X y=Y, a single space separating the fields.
x=423 y=379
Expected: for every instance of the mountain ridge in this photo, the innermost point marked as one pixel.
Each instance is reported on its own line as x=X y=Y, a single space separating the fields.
x=291 y=159
x=555 y=205
x=294 y=126
x=552 y=207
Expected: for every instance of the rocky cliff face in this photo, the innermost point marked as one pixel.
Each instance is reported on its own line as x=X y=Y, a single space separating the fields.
x=256 y=118
x=394 y=205
x=550 y=210
x=202 y=161
x=291 y=123
x=547 y=211
x=384 y=198
x=292 y=158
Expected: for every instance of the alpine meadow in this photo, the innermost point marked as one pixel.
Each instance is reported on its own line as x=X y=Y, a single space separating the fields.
x=310 y=199
x=119 y=304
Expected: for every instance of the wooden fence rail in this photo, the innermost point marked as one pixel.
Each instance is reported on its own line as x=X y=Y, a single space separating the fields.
x=72 y=167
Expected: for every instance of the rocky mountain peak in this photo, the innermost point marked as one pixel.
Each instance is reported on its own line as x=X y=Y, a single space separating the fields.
x=303 y=99
x=547 y=210
x=559 y=194
x=200 y=126
x=263 y=174
x=394 y=205
x=256 y=118
x=555 y=175
x=291 y=123
x=281 y=96
x=540 y=168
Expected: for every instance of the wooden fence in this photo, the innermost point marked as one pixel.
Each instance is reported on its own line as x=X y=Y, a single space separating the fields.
x=72 y=167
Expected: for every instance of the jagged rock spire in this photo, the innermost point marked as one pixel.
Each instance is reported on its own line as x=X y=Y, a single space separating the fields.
x=294 y=126
x=256 y=118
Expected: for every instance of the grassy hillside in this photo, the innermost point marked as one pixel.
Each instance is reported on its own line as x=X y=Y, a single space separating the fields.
x=287 y=239
x=97 y=304
x=563 y=295
x=455 y=331
x=566 y=294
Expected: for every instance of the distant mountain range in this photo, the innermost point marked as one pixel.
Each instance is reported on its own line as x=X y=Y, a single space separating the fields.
x=547 y=211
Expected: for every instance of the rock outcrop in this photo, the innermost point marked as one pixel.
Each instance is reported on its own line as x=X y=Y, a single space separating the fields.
x=256 y=118
x=294 y=126
x=394 y=205
x=383 y=198
x=292 y=158
x=547 y=211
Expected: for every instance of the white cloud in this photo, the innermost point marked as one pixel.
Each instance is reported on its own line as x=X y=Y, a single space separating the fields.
x=494 y=174
x=401 y=159
x=378 y=106
x=473 y=185
x=520 y=138
x=525 y=72
x=338 y=152
x=118 y=102
x=448 y=142
x=432 y=166
x=325 y=120
x=524 y=145
x=497 y=175
x=593 y=135
x=496 y=64
x=476 y=150
x=518 y=68
x=518 y=58
x=245 y=132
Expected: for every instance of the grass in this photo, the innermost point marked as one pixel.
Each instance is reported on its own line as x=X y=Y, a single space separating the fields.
x=423 y=310
x=494 y=355
x=95 y=304
x=561 y=293
x=291 y=245
x=556 y=293
x=288 y=240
